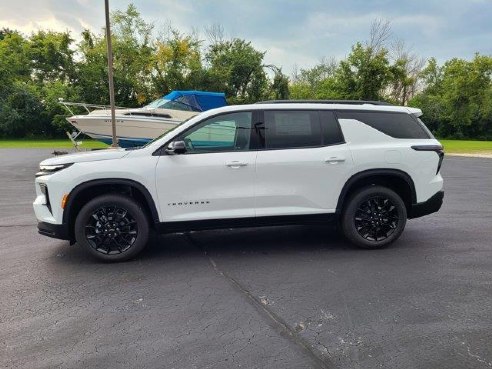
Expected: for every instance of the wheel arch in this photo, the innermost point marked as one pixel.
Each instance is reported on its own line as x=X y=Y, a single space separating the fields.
x=395 y=179
x=88 y=190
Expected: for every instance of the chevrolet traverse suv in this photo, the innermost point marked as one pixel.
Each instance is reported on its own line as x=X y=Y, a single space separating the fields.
x=368 y=166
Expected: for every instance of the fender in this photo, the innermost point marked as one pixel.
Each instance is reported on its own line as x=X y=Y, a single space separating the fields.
x=110 y=181
x=373 y=173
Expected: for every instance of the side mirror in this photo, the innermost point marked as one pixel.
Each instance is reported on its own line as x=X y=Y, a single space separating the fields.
x=176 y=147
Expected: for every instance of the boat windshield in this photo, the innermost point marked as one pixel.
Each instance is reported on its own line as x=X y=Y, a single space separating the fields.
x=165 y=133
x=169 y=104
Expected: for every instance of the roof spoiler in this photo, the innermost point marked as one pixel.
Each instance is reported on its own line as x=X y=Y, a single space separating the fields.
x=415 y=112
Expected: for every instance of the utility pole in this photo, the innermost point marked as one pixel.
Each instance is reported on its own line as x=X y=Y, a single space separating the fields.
x=110 y=74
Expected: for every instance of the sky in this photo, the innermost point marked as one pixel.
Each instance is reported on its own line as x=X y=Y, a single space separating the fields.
x=292 y=32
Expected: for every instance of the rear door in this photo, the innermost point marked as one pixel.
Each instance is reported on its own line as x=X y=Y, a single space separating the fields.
x=303 y=165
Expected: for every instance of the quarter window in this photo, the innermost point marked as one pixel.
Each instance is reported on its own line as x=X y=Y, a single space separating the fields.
x=397 y=125
x=227 y=132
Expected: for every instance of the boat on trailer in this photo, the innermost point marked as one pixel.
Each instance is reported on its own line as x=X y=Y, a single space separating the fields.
x=136 y=127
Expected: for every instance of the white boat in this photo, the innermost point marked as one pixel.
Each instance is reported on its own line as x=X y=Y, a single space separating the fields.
x=135 y=127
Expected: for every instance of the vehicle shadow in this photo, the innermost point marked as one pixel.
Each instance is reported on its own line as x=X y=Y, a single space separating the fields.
x=233 y=242
x=248 y=241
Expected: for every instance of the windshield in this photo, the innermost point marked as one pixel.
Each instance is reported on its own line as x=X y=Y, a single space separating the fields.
x=170 y=104
x=156 y=103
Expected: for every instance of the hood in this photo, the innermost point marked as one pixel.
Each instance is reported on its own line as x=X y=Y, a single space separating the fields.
x=86 y=156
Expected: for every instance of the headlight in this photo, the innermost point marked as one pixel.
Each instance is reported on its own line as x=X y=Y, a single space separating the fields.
x=45 y=170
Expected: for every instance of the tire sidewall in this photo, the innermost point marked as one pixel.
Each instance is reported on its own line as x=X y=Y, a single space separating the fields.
x=348 y=224
x=135 y=210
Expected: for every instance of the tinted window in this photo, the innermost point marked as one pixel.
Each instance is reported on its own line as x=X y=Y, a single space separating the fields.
x=332 y=134
x=292 y=129
x=227 y=132
x=425 y=127
x=397 y=125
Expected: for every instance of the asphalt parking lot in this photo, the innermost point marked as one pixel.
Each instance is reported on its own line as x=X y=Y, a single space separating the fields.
x=282 y=297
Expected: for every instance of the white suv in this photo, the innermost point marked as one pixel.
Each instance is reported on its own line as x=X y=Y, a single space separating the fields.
x=366 y=165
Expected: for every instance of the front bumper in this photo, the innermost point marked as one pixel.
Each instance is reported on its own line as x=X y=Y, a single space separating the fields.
x=427 y=207
x=59 y=231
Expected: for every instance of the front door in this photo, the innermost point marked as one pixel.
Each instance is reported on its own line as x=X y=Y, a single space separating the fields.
x=215 y=178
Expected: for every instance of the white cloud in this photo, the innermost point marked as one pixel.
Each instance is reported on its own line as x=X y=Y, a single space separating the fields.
x=292 y=32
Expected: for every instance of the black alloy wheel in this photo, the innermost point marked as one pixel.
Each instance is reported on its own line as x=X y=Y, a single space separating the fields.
x=111 y=230
x=376 y=218
x=112 y=227
x=373 y=217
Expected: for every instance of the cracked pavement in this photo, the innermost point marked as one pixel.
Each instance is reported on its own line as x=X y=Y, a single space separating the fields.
x=280 y=297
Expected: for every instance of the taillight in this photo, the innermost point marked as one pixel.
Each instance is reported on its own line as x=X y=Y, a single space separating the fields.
x=438 y=149
x=441 y=158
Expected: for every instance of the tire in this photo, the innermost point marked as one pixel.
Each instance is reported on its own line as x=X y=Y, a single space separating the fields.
x=374 y=217
x=112 y=228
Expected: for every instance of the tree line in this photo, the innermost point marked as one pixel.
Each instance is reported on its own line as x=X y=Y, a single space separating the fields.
x=39 y=69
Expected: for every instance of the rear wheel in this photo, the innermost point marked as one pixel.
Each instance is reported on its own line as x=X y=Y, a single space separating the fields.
x=374 y=217
x=112 y=227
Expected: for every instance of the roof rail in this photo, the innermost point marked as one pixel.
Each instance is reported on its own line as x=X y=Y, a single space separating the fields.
x=348 y=102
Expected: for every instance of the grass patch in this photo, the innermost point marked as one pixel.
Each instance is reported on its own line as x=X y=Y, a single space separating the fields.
x=461 y=146
x=49 y=144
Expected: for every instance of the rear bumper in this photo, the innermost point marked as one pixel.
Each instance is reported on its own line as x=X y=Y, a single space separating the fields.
x=427 y=207
x=59 y=231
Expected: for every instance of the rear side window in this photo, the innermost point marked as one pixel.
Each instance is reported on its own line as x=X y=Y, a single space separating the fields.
x=292 y=129
x=397 y=125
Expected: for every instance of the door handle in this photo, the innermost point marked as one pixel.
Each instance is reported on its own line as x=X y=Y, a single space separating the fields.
x=334 y=160
x=236 y=164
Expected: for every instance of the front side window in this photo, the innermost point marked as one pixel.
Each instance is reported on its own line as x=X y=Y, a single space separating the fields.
x=226 y=132
x=292 y=129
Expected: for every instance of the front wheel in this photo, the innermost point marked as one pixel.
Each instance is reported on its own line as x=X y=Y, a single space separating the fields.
x=112 y=227
x=374 y=217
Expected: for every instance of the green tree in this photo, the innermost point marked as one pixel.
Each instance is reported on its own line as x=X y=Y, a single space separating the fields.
x=177 y=63
x=236 y=68
x=364 y=75
x=14 y=61
x=92 y=69
x=5 y=32
x=317 y=82
x=52 y=57
x=21 y=113
x=457 y=97
x=279 y=88
x=132 y=51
